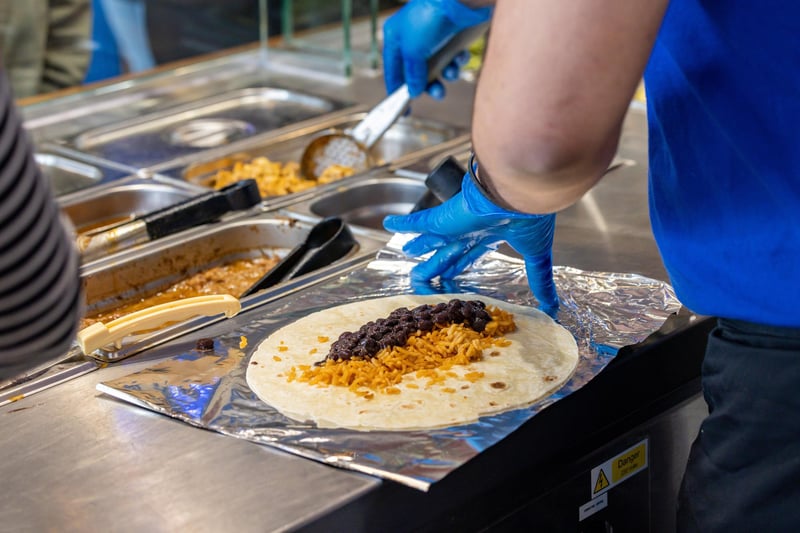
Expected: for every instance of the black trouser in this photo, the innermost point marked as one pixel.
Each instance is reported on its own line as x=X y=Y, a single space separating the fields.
x=743 y=472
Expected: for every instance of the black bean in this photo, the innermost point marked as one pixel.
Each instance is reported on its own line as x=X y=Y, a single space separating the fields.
x=204 y=344
x=479 y=324
x=369 y=345
x=402 y=323
x=441 y=317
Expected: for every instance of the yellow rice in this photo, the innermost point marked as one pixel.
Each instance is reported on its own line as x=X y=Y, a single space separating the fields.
x=430 y=356
x=275 y=178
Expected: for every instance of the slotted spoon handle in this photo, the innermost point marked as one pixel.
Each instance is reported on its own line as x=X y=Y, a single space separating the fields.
x=383 y=115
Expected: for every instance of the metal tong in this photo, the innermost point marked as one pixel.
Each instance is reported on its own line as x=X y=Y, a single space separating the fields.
x=201 y=209
x=328 y=241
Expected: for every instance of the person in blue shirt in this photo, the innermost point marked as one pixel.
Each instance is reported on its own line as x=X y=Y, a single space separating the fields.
x=723 y=99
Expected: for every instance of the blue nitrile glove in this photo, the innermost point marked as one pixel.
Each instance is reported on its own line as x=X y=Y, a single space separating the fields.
x=415 y=32
x=467 y=226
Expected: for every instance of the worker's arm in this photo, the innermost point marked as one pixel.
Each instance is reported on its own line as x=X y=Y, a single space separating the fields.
x=553 y=92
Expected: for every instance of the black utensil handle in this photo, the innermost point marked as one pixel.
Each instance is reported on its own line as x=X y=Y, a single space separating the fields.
x=201 y=209
x=243 y=194
x=324 y=256
x=443 y=183
x=445 y=180
x=328 y=241
x=280 y=271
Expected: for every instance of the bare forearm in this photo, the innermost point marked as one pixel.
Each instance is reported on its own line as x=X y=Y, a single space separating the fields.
x=554 y=89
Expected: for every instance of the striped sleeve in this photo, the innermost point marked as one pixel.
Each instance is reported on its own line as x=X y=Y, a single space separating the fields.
x=40 y=296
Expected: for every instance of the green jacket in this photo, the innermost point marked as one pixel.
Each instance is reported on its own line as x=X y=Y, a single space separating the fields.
x=46 y=44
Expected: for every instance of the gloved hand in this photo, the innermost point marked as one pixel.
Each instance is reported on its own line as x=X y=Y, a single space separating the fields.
x=414 y=33
x=467 y=226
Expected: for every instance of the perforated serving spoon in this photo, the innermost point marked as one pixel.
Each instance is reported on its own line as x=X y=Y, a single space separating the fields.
x=351 y=148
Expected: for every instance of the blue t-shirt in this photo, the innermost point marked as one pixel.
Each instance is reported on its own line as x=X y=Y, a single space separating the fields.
x=723 y=100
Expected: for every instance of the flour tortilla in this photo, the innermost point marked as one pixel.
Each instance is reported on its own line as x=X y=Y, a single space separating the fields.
x=541 y=358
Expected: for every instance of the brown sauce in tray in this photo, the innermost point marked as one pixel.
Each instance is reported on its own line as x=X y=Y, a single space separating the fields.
x=233 y=278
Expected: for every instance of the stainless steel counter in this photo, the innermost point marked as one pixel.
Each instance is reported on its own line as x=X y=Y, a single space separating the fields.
x=76 y=460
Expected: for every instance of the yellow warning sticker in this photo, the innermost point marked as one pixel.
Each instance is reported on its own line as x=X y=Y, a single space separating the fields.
x=601 y=483
x=619 y=468
x=629 y=462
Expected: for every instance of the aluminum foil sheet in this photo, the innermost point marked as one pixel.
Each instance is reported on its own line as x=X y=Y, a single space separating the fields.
x=604 y=311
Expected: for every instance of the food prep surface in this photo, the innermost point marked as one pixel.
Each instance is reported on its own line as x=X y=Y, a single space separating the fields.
x=115 y=466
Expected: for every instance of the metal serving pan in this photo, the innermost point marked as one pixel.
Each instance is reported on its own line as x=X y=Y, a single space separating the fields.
x=407 y=140
x=364 y=200
x=124 y=199
x=166 y=135
x=67 y=174
x=130 y=276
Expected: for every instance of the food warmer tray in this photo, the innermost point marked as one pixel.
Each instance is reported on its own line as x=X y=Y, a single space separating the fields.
x=69 y=173
x=364 y=200
x=123 y=200
x=186 y=129
x=407 y=140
